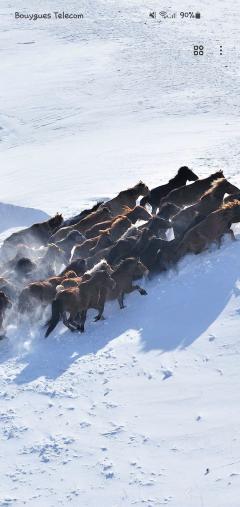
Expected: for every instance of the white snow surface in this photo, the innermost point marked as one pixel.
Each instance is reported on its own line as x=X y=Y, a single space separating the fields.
x=143 y=409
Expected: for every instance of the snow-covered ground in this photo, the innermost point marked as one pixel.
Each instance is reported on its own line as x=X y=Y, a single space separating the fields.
x=143 y=409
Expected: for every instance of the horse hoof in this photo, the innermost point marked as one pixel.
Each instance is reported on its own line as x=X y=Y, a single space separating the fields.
x=97 y=318
x=143 y=292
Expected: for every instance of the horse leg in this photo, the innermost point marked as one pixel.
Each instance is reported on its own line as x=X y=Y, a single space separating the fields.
x=69 y=322
x=141 y=291
x=100 y=306
x=232 y=235
x=120 y=300
x=82 y=321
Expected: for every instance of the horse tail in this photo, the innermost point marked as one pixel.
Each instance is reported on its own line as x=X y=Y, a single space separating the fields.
x=56 y=315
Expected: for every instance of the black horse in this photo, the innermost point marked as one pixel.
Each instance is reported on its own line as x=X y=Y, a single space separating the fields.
x=183 y=175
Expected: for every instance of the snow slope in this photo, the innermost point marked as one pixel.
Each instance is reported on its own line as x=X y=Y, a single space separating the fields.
x=142 y=409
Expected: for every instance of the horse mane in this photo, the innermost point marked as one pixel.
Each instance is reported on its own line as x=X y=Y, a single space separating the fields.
x=131 y=190
x=180 y=170
x=86 y=219
x=214 y=186
x=217 y=173
x=70 y=274
x=118 y=219
x=57 y=218
x=100 y=265
x=127 y=210
x=231 y=204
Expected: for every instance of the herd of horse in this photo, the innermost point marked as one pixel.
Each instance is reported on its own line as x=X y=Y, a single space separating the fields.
x=102 y=253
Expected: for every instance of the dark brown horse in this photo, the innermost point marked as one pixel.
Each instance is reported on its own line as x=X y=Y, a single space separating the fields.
x=102 y=214
x=189 y=194
x=122 y=249
x=124 y=274
x=36 y=235
x=209 y=202
x=77 y=300
x=135 y=214
x=155 y=195
x=118 y=228
x=40 y=293
x=210 y=230
x=92 y=246
x=148 y=255
x=78 y=266
x=126 y=198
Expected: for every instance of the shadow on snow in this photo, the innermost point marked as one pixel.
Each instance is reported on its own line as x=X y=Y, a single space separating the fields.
x=178 y=309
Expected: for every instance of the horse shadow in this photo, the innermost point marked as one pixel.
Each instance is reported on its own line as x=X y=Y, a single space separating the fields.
x=179 y=308
x=18 y=216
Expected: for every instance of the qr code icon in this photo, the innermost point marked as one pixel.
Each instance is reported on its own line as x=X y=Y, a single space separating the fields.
x=198 y=50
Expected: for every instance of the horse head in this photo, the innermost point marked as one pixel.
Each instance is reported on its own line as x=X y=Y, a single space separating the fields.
x=187 y=173
x=55 y=221
x=142 y=188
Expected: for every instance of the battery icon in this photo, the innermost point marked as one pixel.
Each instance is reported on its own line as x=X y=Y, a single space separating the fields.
x=197 y=15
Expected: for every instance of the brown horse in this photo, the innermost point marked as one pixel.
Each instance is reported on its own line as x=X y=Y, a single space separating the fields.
x=36 y=235
x=209 y=230
x=209 y=202
x=183 y=175
x=135 y=214
x=92 y=246
x=42 y=292
x=78 y=266
x=189 y=194
x=83 y=225
x=148 y=255
x=126 y=198
x=5 y=304
x=77 y=300
x=118 y=228
x=74 y=282
x=124 y=274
